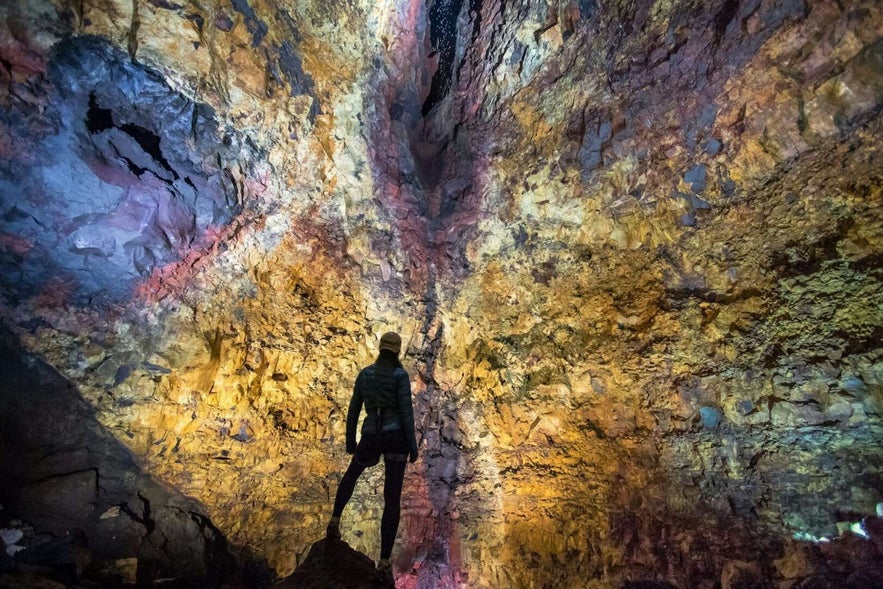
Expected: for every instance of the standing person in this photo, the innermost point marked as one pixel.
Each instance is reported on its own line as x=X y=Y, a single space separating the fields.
x=385 y=390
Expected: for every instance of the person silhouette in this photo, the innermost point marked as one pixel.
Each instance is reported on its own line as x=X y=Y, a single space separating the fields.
x=384 y=388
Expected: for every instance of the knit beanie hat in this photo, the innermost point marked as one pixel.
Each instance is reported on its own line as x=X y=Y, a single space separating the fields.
x=391 y=341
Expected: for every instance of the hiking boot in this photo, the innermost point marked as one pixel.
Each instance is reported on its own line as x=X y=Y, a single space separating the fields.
x=383 y=575
x=332 y=532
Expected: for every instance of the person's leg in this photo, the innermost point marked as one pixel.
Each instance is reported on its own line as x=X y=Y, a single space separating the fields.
x=367 y=455
x=346 y=487
x=344 y=493
x=394 y=476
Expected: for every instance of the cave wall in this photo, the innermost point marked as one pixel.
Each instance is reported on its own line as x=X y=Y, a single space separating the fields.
x=77 y=510
x=633 y=249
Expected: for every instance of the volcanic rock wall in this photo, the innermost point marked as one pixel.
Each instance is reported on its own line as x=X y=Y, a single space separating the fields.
x=633 y=249
x=92 y=513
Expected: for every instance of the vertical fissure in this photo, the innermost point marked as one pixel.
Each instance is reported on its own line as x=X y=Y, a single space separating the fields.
x=443 y=28
x=439 y=170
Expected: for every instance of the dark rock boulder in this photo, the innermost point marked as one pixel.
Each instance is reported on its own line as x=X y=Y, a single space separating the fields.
x=332 y=564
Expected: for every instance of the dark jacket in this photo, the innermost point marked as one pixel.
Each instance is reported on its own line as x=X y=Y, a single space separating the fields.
x=386 y=393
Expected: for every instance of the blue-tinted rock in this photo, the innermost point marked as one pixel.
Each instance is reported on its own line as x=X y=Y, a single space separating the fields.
x=854 y=386
x=593 y=141
x=587 y=8
x=745 y=406
x=129 y=177
x=710 y=417
x=729 y=187
x=696 y=178
x=698 y=203
x=92 y=241
x=155 y=368
x=255 y=25
x=122 y=373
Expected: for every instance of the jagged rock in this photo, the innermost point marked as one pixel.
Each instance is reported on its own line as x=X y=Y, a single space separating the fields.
x=334 y=564
x=95 y=515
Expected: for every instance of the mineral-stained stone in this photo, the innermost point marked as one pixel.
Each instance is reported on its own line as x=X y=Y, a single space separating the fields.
x=633 y=248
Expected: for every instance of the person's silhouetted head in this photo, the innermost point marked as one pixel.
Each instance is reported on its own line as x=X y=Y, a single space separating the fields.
x=390 y=346
x=391 y=341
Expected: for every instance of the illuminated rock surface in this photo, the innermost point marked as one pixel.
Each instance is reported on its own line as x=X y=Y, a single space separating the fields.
x=634 y=249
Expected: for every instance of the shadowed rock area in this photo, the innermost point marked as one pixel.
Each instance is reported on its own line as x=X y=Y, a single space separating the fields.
x=332 y=563
x=78 y=510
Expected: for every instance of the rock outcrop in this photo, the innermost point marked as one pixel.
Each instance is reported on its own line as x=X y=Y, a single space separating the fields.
x=77 y=509
x=332 y=563
x=634 y=249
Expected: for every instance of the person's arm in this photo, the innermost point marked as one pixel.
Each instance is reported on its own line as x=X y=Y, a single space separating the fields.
x=406 y=412
x=352 y=417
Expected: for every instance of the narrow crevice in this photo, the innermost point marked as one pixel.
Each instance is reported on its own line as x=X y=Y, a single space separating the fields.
x=146 y=520
x=443 y=16
x=132 y=44
x=133 y=167
x=98 y=119
x=150 y=143
x=724 y=17
x=62 y=475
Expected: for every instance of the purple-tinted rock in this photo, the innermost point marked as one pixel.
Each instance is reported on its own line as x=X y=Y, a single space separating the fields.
x=118 y=180
x=696 y=177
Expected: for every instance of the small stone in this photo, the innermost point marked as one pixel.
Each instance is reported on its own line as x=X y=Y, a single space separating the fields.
x=839 y=411
x=11 y=535
x=710 y=416
x=713 y=147
x=854 y=386
x=698 y=203
x=223 y=22
x=696 y=178
x=122 y=373
x=795 y=564
x=738 y=574
x=593 y=142
x=127 y=569
x=92 y=240
x=155 y=368
x=729 y=187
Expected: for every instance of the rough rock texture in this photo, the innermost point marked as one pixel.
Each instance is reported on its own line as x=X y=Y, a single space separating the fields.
x=77 y=509
x=332 y=563
x=634 y=248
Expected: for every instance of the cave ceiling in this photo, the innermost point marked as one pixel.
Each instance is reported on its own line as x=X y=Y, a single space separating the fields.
x=633 y=248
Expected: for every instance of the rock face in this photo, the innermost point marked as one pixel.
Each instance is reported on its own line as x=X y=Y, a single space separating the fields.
x=633 y=247
x=91 y=516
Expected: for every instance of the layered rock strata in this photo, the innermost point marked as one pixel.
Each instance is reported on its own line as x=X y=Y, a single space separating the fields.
x=633 y=248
